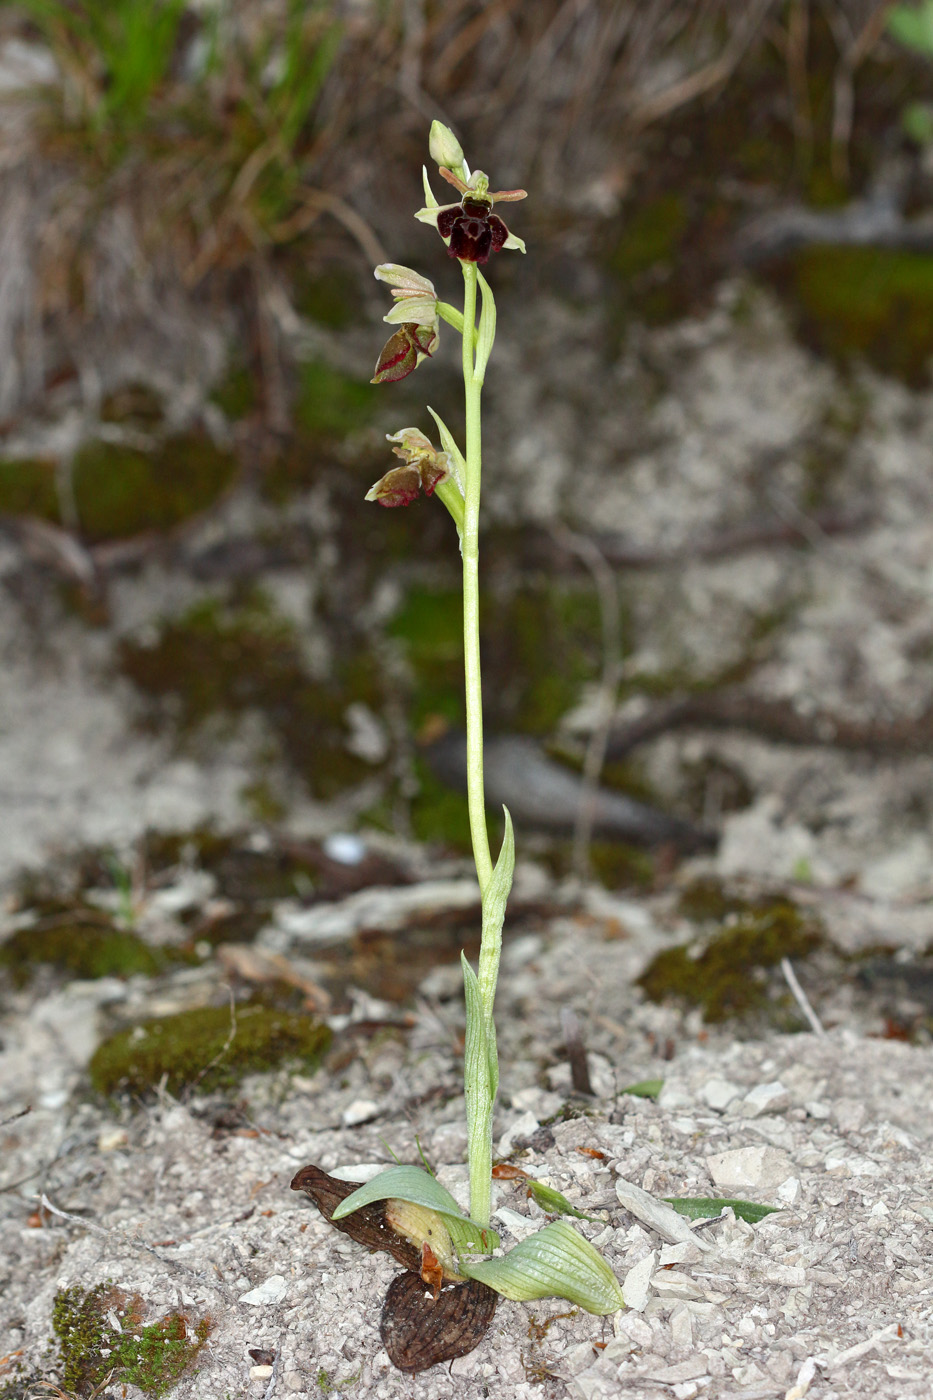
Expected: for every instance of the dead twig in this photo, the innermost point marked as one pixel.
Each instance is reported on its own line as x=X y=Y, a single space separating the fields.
x=777 y=721
x=576 y=1051
x=711 y=75
x=800 y=997
x=853 y=53
x=276 y=1364
x=607 y=694
x=140 y=1245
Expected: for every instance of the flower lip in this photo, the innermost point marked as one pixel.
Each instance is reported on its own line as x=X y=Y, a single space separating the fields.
x=473 y=229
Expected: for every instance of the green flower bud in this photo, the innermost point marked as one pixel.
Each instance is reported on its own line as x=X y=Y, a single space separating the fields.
x=444 y=147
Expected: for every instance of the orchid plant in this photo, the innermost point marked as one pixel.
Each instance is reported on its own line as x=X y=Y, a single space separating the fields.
x=557 y=1261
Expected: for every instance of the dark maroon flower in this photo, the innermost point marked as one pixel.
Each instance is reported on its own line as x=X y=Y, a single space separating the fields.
x=473 y=229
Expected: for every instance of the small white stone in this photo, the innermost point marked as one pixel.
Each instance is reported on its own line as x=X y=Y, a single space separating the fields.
x=633 y=1327
x=765 y=1098
x=687 y=1252
x=260 y=1373
x=849 y=1115
x=109 y=1139
x=518 y=1226
x=661 y=1217
x=719 y=1093
x=671 y=1283
x=804 y=1377
x=762 y=1167
x=359 y=1111
x=635 y=1285
x=523 y=1127
x=272 y=1291
x=816 y=1109
x=343 y=846
x=682 y=1328
x=789 y=1191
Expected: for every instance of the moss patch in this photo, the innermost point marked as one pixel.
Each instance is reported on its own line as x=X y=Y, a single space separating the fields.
x=727 y=974
x=120 y=491
x=228 y=660
x=194 y=1050
x=236 y=395
x=330 y=404
x=331 y=296
x=153 y=1358
x=540 y=643
x=86 y=947
x=28 y=488
x=869 y=303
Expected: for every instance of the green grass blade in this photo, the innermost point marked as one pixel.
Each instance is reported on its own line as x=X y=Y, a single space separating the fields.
x=709 y=1207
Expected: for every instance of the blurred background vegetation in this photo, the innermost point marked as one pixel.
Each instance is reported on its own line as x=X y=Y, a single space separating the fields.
x=192 y=196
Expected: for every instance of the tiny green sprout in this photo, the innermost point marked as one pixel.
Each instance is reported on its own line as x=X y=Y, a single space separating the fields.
x=557 y=1261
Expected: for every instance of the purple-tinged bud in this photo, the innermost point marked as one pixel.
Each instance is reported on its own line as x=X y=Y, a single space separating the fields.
x=403 y=352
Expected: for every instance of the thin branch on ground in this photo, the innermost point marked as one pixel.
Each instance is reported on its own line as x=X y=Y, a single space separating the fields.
x=137 y=1244
x=801 y=999
x=607 y=592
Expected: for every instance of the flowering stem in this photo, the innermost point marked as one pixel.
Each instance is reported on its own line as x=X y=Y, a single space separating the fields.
x=473 y=388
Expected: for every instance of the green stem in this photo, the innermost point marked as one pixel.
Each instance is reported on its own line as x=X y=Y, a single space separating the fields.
x=473 y=389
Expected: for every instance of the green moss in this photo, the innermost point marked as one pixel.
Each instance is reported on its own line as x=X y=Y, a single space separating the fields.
x=190 y=1050
x=871 y=303
x=153 y=1358
x=27 y=487
x=331 y=404
x=243 y=874
x=621 y=867
x=120 y=491
x=80 y=948
x=330 y=297
x=706 y=900
x=219 y=660
x=236 y=394
x=726 y=976
x=438 y=814
x=430 y=624
x=652 y=234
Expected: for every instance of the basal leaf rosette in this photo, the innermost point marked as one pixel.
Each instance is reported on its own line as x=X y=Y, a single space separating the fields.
x=557 y=1262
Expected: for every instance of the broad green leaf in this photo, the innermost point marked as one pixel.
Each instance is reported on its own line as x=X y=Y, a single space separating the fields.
x=487 y=328
x=557 y=1262
x=408 y=1183
x=449 y=444
x=644 y=1089
x=553 y=1202
x=708 y=1207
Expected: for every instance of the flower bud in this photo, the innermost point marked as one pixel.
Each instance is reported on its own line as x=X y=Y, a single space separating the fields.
x=444 y=147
